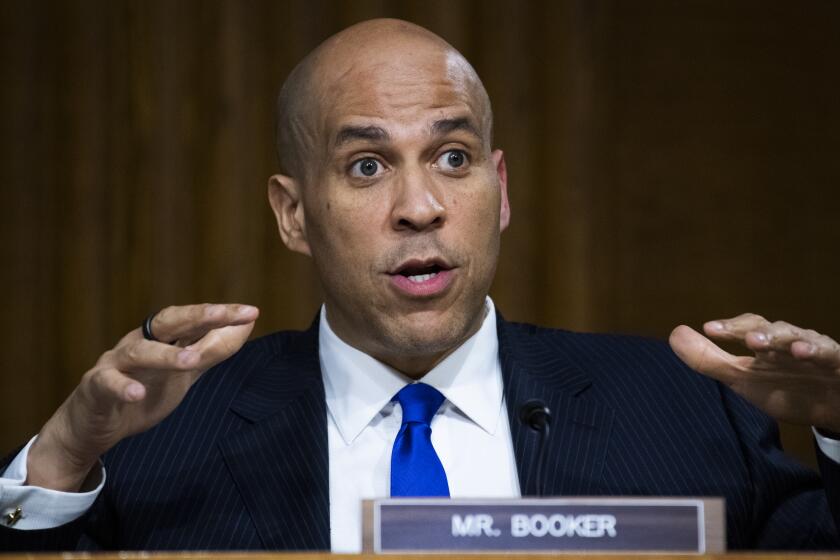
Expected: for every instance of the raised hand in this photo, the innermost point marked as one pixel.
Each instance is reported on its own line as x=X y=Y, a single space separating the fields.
x=794 y=374
x=133 y=387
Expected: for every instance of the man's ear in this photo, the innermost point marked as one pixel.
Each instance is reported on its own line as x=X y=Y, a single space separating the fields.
x=501 y=173
x=284 y=195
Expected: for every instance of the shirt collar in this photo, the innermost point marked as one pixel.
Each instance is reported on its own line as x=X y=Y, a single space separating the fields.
x=358 y=387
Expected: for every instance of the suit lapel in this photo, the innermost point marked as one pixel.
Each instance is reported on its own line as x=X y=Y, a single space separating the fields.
x=536 y=364
x=280 y=462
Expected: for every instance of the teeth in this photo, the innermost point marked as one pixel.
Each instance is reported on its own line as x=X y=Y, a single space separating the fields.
x=422 y=277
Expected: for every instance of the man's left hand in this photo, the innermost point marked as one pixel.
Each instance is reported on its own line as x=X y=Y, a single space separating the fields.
x=794 y=375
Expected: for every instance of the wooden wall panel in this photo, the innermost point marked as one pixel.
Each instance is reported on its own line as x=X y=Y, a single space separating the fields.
x=670 y=161
x=725 y=135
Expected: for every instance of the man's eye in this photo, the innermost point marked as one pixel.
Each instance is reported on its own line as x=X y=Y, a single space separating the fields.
x=452 y=160
x=367 y=167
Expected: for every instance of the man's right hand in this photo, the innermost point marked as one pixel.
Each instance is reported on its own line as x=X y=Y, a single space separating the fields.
x=133 y=387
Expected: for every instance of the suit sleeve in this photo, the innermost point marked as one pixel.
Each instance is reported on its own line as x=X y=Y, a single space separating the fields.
x=793 y=507
x=830 y=471
x=64 y=537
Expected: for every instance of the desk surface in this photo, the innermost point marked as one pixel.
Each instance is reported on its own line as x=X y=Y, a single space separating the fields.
x=326 y=556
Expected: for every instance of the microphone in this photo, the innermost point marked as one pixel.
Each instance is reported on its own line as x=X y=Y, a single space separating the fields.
x=536 y=415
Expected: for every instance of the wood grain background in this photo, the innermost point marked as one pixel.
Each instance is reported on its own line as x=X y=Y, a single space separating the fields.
x=671 y=162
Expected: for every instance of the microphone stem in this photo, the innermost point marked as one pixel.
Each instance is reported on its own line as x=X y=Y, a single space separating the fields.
x=541 y=460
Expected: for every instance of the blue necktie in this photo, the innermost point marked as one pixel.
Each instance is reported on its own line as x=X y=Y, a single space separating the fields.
x=416 y=469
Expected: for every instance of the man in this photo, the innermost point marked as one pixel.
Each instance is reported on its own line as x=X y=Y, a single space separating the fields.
x=390 y=184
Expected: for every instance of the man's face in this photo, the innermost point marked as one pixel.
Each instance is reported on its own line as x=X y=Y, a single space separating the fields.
x=404 y=206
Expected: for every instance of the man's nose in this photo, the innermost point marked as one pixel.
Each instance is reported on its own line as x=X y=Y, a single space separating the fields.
x=418 y=203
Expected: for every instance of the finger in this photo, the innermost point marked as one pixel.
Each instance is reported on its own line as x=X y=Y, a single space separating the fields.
x=110 y=384
x=736 y=328
x=777 y=337
x=191 y=322
x=220 y=344
x=703 y=355
x=822 y=350
x=139 y=354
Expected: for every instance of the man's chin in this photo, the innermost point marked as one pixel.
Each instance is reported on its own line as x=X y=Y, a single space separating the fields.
x=428 y=334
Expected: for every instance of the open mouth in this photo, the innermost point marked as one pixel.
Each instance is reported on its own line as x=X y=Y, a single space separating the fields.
x=421 y=273
x=423 y=278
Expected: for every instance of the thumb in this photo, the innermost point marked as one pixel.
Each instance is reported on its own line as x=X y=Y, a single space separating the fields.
x=701 y=354
x=219 y=344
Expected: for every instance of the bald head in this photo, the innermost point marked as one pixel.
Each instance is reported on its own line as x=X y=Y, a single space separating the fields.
x=364 y=55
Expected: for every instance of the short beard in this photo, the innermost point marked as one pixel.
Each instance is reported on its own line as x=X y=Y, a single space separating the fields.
x=415 y=356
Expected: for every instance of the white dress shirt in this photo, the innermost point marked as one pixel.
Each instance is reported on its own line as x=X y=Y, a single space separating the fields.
x=470 y=431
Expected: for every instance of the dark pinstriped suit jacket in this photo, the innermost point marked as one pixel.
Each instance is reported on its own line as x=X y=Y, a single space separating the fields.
x=243 y=462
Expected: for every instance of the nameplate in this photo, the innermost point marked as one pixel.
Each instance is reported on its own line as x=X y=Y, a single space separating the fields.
x=544 y=525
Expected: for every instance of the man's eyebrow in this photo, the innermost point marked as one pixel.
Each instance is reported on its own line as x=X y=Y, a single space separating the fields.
x=349 y=133
x=445 y=126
